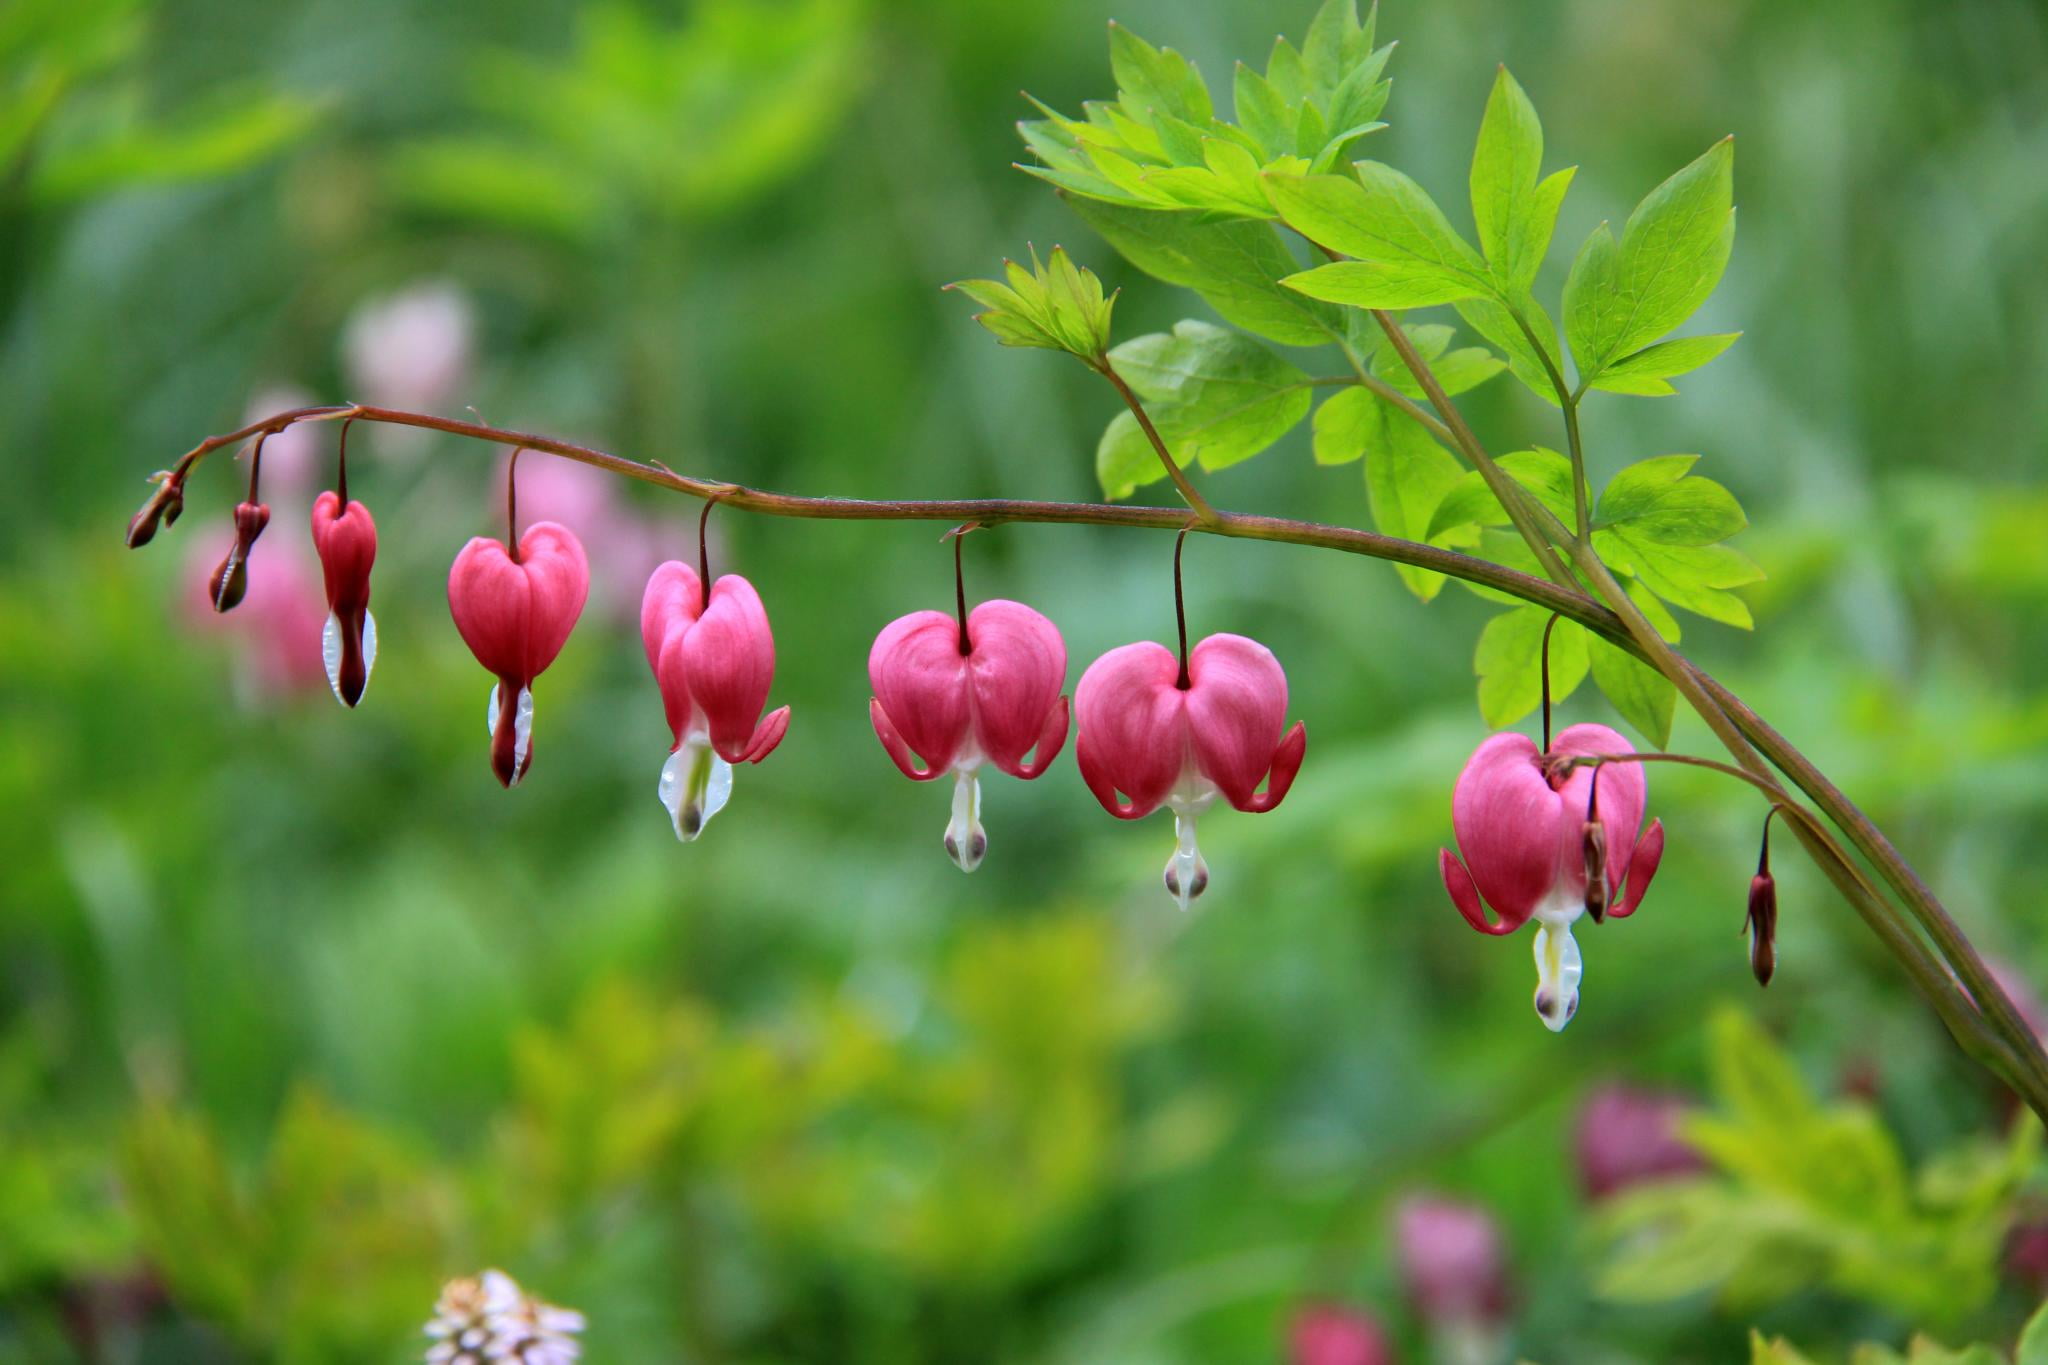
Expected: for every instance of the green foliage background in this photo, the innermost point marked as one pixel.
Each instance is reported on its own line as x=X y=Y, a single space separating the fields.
x=300 y=1014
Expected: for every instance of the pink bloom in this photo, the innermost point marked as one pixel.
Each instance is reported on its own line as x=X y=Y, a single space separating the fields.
x=1523 y=826
x=1325 y=1334
x=346 y=540
x=1164 y=737
x=1627 y=1136
x=230 y=580
x=625 y=544
x=714 y=665
x=292 y=456
x=956 y=698
x=1452 y=1262
x=410 y=349
x=515 y=614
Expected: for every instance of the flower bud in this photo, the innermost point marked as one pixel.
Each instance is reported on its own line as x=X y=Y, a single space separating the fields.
x=164 y=506
x=1326 y=1334
x=1593 y=841
x=230 y=581
x=1762 y=923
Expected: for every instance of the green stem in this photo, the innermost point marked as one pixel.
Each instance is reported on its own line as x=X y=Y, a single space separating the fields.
x=1189 y=493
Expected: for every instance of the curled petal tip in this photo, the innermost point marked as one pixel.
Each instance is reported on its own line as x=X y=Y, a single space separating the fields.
x=1465 y=895
x=892 y=743
x=767 y=735
x=1050 y=741
x=1286 y=763
x=1642 y=866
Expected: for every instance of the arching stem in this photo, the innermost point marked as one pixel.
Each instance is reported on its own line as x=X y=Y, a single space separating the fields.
x=1180 y=608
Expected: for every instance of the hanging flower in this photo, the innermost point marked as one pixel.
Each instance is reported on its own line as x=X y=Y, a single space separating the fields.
x=345 y=537
x=1627 y=1136
x=958 y=691
x=229 y=582
x=489 y=1318
x=1550 y=842
x=1164 y=733
x=1453 y=1266
x=1327 y=1334
x=515 y=612
x=714 y=664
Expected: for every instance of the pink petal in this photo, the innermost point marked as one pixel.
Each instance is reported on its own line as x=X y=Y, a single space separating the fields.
x=1286 y=763
x=673 y=600
x=920 y=682
x=1016 y=669
x=1465 y=896
x=1510 y=825
x=490 y=600
x=559 y=579
x=892 y=742
x=730 y=654
x=1236 y=705
x=767 y=735
x=1133 y=727
x=1049 y=741
x=1642 y=866
x=1623 y=793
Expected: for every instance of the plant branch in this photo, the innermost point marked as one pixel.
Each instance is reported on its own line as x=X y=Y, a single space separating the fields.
x=1189 y=493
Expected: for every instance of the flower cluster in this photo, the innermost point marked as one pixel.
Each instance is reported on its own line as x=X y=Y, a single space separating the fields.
x=488 y=1317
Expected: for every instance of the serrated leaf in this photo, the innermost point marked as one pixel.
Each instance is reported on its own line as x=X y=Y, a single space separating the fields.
x=1645 y=698
x=1399 y=241
x=1150 y=78
x=1262 y=111
x=1235 y=266
x=1509 y=661
x=1514 y=210
x=1623 y=296
x=1053 y=304
x=1657 y=498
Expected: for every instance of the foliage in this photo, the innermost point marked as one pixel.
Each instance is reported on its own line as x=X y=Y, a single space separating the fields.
x=1813 y=1194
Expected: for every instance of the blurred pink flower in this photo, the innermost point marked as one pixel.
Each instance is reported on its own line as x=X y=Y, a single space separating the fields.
x=297 y=459
x=2026 y=1254
x=1629 y=1136
x=275 y=631
x=1326 y=1334
x=410 y=349
x=625 y=544
x=1451 y=1261
x=2024 y=998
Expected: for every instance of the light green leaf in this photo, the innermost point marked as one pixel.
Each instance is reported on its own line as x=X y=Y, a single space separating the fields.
x=1658 y=499
x=1457 y=371
x=1262 y=112
x=2033 y=1347
x=1382 y=219
x=1235 y=266
x=1645 y=698
x=1381 y=284
x=1492 y=320
x=1509 y=663
x=1515 y=213
x=1055 y=305
x=1645 y=371
x=1216 y=397
x=1346 y=423
x=1776 y=1351
x=1156 y=79
x=1694 y=577
x=1545 y=473
x=1406 y=474
x=1671 y=255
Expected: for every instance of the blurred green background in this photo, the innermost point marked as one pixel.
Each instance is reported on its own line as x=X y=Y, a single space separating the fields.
x=300 y=1014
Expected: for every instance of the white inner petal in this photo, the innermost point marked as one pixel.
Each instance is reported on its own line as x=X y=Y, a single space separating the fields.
x=491 y=712
x=1186 y=874
x=522 y=732
x=369 y=647
x=1558 y=969
x=330 y=653
x=966 y=841
x=695 y=785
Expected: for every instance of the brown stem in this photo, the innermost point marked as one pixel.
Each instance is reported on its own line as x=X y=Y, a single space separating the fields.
x=1180 y=609
x=1188 y=491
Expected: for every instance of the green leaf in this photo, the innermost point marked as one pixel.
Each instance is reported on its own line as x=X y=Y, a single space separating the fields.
x=1345 y=424
x=1055 y=305
x=1514 y=211
x=2033 y=1347
x=1235 y=266
x=1153 y=79
x=1509 y=661
x=1406 y=474
x=1381 y=284
x=1457 y=371
x=1645 y=371
x=1659 y=499
x=1645 y=698
x=1776 y=1351
x=1694 y=577
x=1216 y=397
x=1492 y=320
x=1400 y=241
x=1621 y=297
x=1545 y=473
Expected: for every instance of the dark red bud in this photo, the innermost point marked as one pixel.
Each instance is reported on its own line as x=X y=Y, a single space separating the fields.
x=230 y=581
x=1595 y=842
x=163 y=507
x=1762 y=924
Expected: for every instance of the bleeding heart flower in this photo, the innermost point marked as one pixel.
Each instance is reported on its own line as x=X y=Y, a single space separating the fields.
x=1167 y=734
x=515 y=613
x=1326 y=1334
x=714 y=664
x=230 y=580
x=960 y=692
x=1533 y=830
x=1626 y=1136
x=1453 y=1265
x=345 y=538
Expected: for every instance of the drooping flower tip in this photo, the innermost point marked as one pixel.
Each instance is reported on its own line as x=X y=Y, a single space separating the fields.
x=515 y=615
x=165 y=505
x=1628 y=1136
x=1147 y=741
x=1452 y=1262
x=1329 y=1334
x=345 y=537
x=230 y=580
x=1762 y=924
x=489 y=1318
x=1540 y=843
x=714 y=663
x=953 y=700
